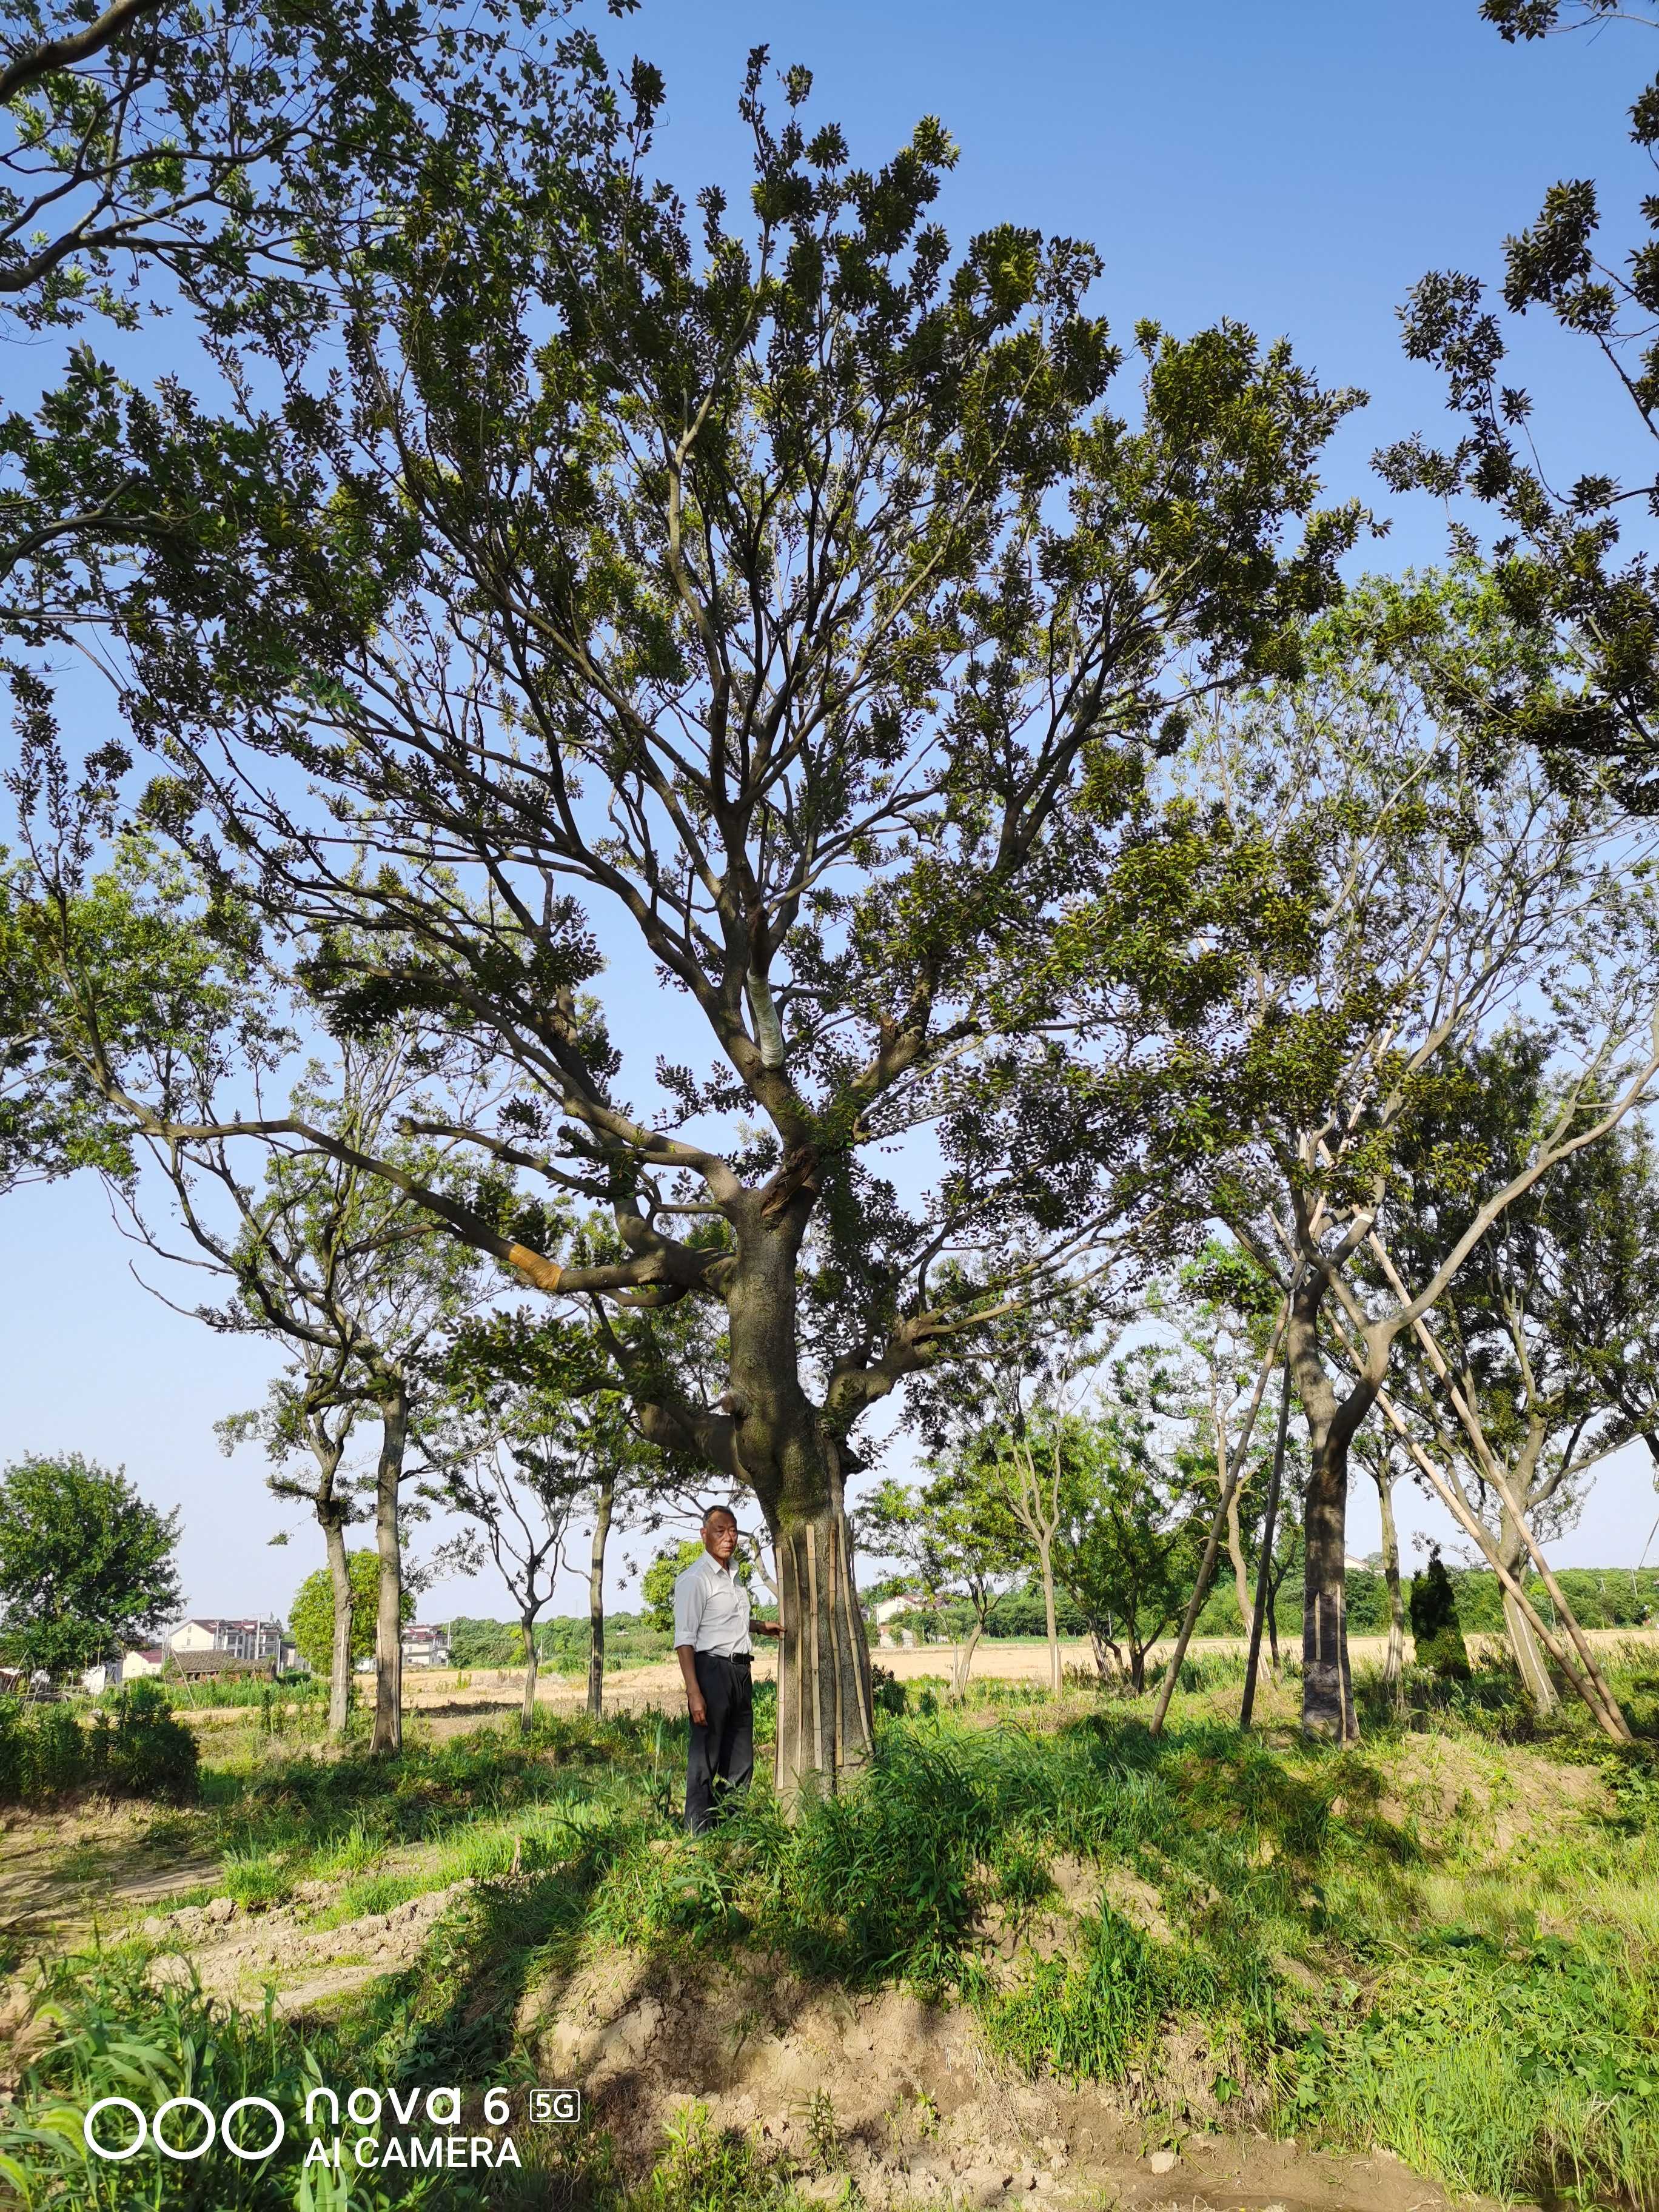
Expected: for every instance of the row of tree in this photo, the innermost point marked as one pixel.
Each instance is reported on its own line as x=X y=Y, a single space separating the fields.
x=520 y=577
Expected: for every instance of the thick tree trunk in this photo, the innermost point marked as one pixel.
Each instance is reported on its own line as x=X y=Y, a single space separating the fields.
x=824 y=1709
x=339 y=1670
x=1394 y=1662
x=1528 y=1657
x=531 y=1662
x=604 y=1505
x=388 y=1735
x=1326 y=1691
x=825 y=1721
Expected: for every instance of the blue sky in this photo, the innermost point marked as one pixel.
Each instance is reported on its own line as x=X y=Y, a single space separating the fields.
x=1293 y=164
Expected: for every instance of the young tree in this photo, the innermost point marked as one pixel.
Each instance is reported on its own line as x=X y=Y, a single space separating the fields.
x=787 y=581
x=1131 y=1536
x=531 y=1433
x=321 y=1624
x=159 y=994
x=85 y=1566
x=1502 y=1384
x=1371 y=887
x=1380 y=1456
x=311 y=1411
x=956 y=1538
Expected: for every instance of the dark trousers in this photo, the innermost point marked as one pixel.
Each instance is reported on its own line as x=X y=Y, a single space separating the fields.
x=723 y=1753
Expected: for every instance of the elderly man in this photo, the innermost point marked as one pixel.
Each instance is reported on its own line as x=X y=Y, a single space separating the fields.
x=711 y=1642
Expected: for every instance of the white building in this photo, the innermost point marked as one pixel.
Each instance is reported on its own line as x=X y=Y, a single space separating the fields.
x=425 y=1647
x=242 y=1639
x=130 y=1667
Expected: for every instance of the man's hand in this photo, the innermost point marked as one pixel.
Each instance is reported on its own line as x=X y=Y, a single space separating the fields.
x=766 y=1627
x=694 y=1704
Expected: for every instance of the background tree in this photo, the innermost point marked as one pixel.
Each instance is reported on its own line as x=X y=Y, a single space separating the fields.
x=85 y=1566
x=162 y=997
x=1381 y=1457
x=310 y=1412
x=1370 y=887
x=956 y=1537
x=530 y=1435
x=1132 y=1529
x=317 y=1625
x=1513 y=1385
x=795 y=580
x=1564 y=558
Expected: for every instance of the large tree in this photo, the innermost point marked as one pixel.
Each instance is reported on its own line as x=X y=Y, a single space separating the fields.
x=764 y=589
x=1350 y=891
x=86 y=1565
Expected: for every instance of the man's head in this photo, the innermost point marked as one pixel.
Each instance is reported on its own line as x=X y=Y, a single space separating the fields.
x=720 y=1533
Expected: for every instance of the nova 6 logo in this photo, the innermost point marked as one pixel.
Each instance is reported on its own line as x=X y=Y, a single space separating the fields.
x=261 y=2137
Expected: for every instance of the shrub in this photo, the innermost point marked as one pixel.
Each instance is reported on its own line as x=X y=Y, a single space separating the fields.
x=135 y=1749
x=147 y=1752
x=1436 y=1631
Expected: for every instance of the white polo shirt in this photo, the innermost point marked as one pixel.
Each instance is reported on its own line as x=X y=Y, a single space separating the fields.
x=711 y=1609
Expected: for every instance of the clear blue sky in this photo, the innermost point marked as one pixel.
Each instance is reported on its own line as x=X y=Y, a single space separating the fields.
x=1291 y=163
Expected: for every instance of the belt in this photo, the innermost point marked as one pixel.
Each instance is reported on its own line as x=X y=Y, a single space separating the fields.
x=733 y=1658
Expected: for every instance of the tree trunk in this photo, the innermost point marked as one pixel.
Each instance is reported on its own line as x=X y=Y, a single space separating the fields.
x=339 y=1670
x=1326 y=1691
x=1529 y=1658
x=531 y=1660
x=1236 y=1553
x=826 y=1717
x=1137 y=1668
x=1045 y=1560
x=388 y=1735
x=962 y=1664
x=604 y=1504
x=1394 y=1663
x=825 y=1720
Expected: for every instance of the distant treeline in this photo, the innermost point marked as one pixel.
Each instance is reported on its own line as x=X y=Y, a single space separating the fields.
x=1602 y=1597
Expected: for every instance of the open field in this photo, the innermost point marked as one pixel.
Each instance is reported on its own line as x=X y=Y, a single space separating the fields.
x=1032 y=1957
x=1004 y=1659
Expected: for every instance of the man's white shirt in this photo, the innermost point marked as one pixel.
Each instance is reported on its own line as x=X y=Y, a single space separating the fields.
x=711 y=1609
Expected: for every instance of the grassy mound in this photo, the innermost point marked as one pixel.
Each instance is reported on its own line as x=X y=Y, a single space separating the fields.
x=1443 y=1944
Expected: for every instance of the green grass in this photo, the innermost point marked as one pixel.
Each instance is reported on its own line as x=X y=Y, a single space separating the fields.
x=1444 y=1943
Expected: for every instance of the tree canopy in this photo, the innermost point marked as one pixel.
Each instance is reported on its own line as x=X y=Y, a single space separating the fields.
x=86 y=1565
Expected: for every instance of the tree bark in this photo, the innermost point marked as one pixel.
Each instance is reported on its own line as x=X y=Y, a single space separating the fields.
x=339 y=1579
x=531 y=1662
x=791 y=1459
x=1236 y=1553
x=1046 y=1562
x=604 y=1506
x=388 y=1735
x=1394 y=1663
x=824 y=1710
x=1524 y=1644
x=962 y=1664
x=1326 y=1689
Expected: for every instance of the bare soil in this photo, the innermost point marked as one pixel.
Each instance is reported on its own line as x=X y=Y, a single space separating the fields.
x=904 y=2100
